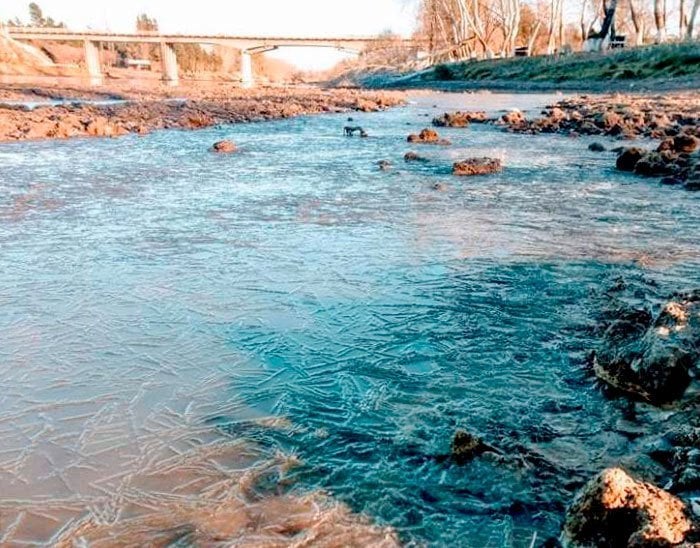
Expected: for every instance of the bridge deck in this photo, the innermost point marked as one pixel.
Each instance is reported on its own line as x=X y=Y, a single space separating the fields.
x=31 y=33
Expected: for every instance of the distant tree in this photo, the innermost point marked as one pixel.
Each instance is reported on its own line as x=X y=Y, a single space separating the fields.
x=37 y=18
x=194 y=58
x=144 y=23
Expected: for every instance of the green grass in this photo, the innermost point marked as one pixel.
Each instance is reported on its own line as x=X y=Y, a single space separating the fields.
x=657 y=62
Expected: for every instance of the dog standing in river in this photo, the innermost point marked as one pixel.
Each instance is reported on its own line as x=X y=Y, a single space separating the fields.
x=349 y=131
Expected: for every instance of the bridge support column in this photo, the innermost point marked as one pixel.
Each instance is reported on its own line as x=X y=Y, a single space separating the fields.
x=169 y=62
x=92 y=62
x=247 y=78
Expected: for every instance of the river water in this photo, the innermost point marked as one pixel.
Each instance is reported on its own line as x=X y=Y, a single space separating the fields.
x=172 y=319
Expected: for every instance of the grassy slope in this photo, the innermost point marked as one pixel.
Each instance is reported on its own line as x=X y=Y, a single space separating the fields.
x=666 y=64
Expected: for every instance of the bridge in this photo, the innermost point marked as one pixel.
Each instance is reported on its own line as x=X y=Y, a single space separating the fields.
x=248 y=46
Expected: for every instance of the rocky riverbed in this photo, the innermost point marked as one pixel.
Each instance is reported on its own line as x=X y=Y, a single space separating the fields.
x=200 y=109
x=673 y=120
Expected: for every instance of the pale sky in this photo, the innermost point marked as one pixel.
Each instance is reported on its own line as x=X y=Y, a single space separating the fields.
x=240 y=17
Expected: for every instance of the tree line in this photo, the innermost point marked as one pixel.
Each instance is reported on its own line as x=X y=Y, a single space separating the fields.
x=461 y=29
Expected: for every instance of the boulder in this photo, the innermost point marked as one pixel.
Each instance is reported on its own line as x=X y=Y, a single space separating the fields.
x=685 y=143
x=628 y=158
x=459 y=119
x=613 y=509
x=414 y=157
x=477 y=166
x=652 y=358
x=608 y=120
x=656 y=164
x=596 y=147
x=224 y=146
x=427 y=136
x=514 y=117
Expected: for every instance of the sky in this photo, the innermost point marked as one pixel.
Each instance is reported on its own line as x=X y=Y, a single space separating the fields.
x=238 y=17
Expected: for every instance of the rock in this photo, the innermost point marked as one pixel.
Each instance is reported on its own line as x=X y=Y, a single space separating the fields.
x=685 y=143
x=608 y=120
x=384 y=165
x=655 y=164
x=477 y=166
x=224 y=146
x=459 y=119
x=198 y=120
x=596 y=147
x=102 y=127
x=466 y=446
x=614 y=509
x=628 y=158
x=514 y=117
x=427 y=136
x=414 y=157
x=652 y=358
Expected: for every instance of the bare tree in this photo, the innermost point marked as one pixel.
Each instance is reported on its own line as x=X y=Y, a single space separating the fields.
x=660 y=20
x=510 y=14
x=692 y=18
x=637 y=17
x=556 y=25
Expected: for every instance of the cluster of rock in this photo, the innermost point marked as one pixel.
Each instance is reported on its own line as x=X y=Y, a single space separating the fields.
x=675 y=120
x=648 y=357
x=84 y=120
x=675 y=160
x=467 y=167
x=651 y=357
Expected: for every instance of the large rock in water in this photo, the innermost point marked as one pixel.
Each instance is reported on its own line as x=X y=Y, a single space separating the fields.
x=427 y=136
x=224 y=146
x=459 y=119
x=629 y=157
x=652 y=358
x=477 y=166
x=614 y=509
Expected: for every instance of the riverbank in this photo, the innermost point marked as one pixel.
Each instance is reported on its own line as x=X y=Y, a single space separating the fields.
x=146 y=110
x=652 y=68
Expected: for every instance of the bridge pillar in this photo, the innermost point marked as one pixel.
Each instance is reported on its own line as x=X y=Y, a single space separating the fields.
x=247 y=78
x=169 y=62
x=92 y=62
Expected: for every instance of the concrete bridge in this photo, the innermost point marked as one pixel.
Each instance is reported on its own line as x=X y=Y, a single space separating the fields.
x=248 y=46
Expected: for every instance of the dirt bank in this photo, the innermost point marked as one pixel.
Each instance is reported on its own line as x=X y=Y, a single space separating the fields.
x=152 y=109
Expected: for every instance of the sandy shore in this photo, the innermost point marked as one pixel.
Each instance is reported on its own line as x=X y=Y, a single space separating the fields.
x=157 y=107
